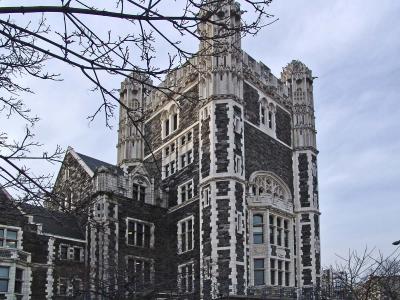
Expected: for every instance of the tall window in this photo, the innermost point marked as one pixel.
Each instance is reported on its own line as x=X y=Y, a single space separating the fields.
x=258 y=232
x=138 y=193
x=186 y=278
x=63 y=252
x=4 y=278
x=185 y=235
x=271 y=230
x=139 y=272
x=259 y=271
x=139 y=233
x=19 y=276
x=185 y=192
x=8 y=238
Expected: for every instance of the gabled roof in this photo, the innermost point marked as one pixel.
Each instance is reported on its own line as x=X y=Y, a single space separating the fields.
x=94 y=163
x=55 y=222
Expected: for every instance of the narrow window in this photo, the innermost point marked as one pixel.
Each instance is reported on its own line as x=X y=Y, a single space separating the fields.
x=258 y=234
x=147 y=236
x=272 y=271
x=271 y=230
x=189 y=157
x=63 y=287
x=166 y=128
x=18 y=280
x=263 y=115
x=175 y=122
x=183 y=160
x=189 y=190
x=183 y=193
x=63 y=252
x=189 y=136
x=259 y=271
x=172 y=167
x=4 y=278
x=142 y=195
x=183 y=140
x=166 y=170
x=77 y=254
x=135 y=190
x=270 y=119
x=139 y=234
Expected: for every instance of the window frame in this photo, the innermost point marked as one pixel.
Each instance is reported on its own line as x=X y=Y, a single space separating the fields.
x=188 y=191
x=146 y=243
x=258 y=225
x=185 y=236
x=258 y=270
x=5 y=240
x=184 y=275
x=5 y=279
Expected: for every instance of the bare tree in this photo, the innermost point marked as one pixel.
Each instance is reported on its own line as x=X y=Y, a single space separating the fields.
x=31 y=36
x=362 y=276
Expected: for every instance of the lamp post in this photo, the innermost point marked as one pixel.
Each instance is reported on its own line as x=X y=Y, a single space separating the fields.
x=396 y=243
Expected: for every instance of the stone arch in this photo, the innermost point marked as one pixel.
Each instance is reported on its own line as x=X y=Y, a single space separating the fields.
x=264 y=183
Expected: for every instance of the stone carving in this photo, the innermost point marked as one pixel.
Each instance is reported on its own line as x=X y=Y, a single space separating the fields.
x=265 y=185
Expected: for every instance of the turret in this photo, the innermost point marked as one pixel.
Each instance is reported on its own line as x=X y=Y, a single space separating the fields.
x=299 y=81
x=130 y=140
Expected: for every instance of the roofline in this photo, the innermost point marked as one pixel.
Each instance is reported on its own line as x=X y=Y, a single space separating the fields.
x=80 y=161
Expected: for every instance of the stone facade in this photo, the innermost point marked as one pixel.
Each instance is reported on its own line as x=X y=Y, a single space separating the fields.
x=214 y=194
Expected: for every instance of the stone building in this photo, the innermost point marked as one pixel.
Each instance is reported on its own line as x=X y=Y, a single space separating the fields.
x=215 y=190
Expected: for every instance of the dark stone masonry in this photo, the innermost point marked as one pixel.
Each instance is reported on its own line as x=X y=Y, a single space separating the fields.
x=204 y=200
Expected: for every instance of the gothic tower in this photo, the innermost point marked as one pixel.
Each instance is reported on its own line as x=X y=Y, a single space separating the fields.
x=222 y=206
x=299 y=80
x=130 y=142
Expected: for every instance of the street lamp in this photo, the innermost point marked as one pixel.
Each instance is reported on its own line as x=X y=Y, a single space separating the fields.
x=396 y=243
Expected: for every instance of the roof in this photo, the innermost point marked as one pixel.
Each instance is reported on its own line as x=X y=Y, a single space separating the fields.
x=94 y=163
x=55 y=222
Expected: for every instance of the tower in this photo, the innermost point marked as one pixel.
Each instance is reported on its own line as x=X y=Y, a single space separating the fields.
x=222 y=190
x=130 y=128
x=299 y=80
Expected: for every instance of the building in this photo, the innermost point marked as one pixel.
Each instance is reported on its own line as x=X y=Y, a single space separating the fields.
x=214 y=193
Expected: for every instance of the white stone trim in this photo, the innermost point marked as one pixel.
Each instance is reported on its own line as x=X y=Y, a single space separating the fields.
x=170 y=141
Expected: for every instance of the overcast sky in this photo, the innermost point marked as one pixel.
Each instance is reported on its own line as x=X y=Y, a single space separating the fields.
x=353 y=47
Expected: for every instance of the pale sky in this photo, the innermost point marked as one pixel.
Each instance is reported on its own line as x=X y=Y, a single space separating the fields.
x=353 y=47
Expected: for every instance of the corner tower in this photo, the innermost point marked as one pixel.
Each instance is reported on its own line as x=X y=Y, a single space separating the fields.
x=298 y=78
x=222 y=206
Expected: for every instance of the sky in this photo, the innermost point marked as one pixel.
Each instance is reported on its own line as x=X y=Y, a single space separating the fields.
x=353 y=48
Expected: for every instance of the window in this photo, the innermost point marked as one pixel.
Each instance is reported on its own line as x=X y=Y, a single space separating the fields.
x=77 y=254
x=273 y=271
x=174 y=122
x=258 y=232
x=259 y=271
x=185 y=235
x=271 y=230
x=287 y=273
x=63 y=287
x=18 y=280
x=238 y=164
x=140 y=233
x=170 y=121
x=185 y=192
x=4 y=278
x=8 y=238
x=267 y=115
x=166 y=128
x=139 y=272
x=63 y=252
x=286 y=233
x=207 y=267
x=237 y=125
x=186 y=278
x=138 y=193
x=206 y=196
x=279 y=231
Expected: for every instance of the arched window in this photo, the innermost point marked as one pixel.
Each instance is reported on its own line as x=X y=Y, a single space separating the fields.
x=258 y=229
x=170 y=121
